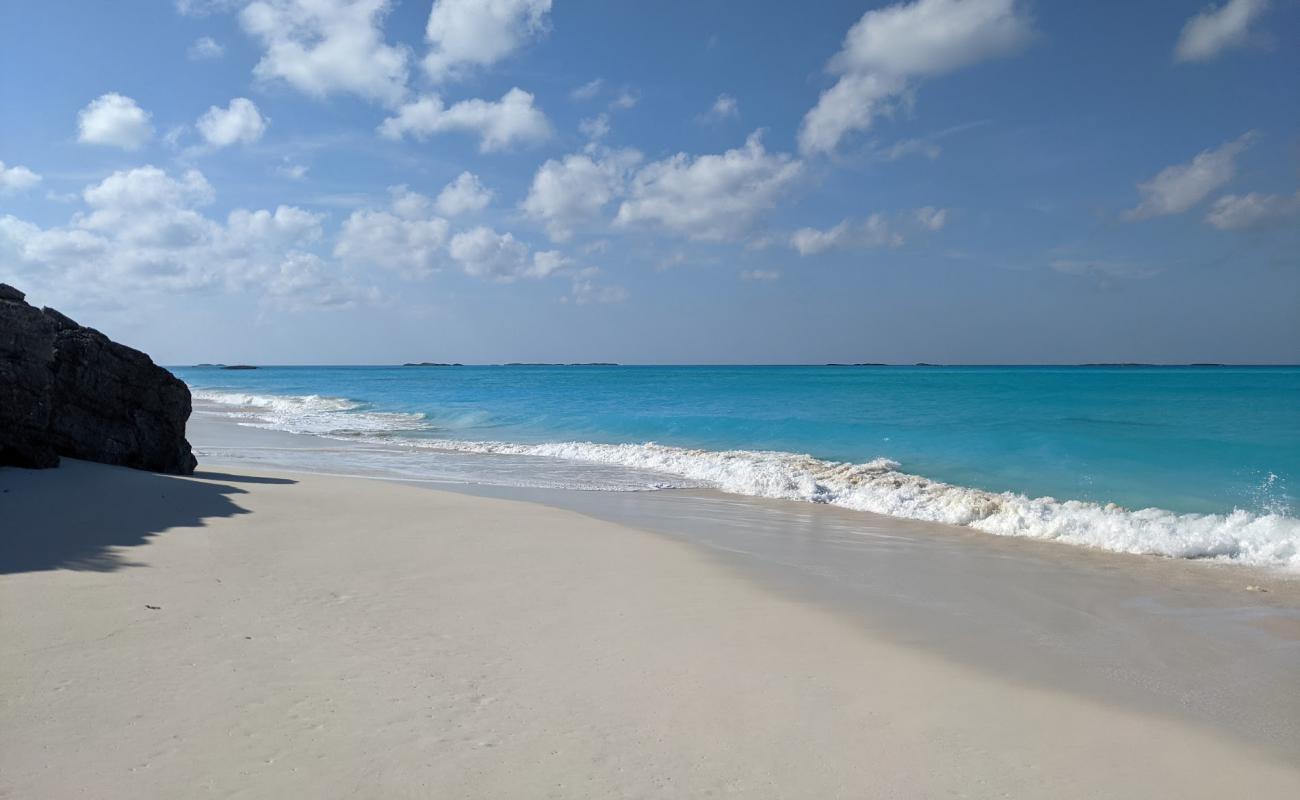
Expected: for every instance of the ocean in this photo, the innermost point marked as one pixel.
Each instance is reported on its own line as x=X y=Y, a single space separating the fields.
x=1188 y=462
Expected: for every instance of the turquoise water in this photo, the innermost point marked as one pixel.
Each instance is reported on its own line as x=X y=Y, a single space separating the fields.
x=1210 y=440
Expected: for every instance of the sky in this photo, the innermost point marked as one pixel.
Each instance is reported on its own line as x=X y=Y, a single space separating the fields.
x=379 y=181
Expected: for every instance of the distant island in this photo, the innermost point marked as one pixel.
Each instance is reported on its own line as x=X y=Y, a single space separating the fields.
x=429 y=364
x=225 y=366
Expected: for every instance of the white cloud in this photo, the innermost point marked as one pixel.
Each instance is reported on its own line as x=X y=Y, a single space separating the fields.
x=1216 y=29
x=765 y=275
x=548 y=262
x=116 y=120
x=725 y=107
x=286 y=227
x=302 y=281
x=712 y=197
x=408 y=204
x=573 y=191
x=586 y=291
x=292 y=171
x=484 y=253
x=890 y=47
x=464 y=34
x=587 y=90
x=594 y=128
x=877 y=230
x=17 y=178
x=931 y=37
x=408 y=240
x=912 y=147
x=1254 y=210
x=1175 y=189
x=324 y=47
x=205 y=48
x=511 y=121
x=626 y=99
x=931 y=218
x=239 y=123
x=143 y=231
x=465 y=194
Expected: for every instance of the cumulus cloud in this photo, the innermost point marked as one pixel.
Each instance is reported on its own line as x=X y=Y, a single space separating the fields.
x=709 y=197
x=16 y=178
x=888 y=49
x=302 y=281
x=511 y=121
x=1218 y=28
x=324 y=47
x=1255 y=210
x=115 y=120
x=483 y=253
x=205 y=48
x=408 y=239
x=463 y=195
x=239 y=123
x=144 y=230
x=1175 y=189
x=464 y=34
x=570 y=192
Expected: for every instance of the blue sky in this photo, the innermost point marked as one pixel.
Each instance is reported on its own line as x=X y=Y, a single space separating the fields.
x=979 y=181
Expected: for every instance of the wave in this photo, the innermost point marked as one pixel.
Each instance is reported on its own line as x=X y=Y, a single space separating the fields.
x=311 y=413
x=877 y=486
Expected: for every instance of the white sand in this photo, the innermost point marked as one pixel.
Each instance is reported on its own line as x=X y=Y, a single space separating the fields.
x=332 y=637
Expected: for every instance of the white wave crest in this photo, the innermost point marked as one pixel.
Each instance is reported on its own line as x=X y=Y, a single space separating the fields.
x=877 y=486
x=1271 y=539
x=311 y=413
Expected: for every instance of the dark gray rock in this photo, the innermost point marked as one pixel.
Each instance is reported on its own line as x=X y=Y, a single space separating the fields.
x=70 y=390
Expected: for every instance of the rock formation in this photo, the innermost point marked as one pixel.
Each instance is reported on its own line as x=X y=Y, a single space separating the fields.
x=71 y=391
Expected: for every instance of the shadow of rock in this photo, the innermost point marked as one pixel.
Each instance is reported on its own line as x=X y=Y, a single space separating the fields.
x=231 y=478
x=74 y=517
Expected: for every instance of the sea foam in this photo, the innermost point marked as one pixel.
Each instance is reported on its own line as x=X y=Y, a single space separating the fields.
x=877 y=486
x=327 y=416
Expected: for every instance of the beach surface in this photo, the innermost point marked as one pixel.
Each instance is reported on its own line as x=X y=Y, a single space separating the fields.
x=252 y=633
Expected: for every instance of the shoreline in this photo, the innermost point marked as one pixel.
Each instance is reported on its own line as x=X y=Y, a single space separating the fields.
x=1178 y=637
x=487 y=647
x=1265 y=538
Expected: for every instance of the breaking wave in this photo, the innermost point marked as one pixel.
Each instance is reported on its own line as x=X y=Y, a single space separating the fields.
x=311 y=413
x=877 y=486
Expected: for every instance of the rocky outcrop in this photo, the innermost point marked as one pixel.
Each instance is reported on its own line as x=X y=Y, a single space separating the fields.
x=71 y=391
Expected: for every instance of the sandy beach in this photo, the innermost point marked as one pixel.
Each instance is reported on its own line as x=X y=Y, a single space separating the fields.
x=254 y=634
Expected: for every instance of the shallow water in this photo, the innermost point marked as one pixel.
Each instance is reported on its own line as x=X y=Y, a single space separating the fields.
x=1199 y=462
